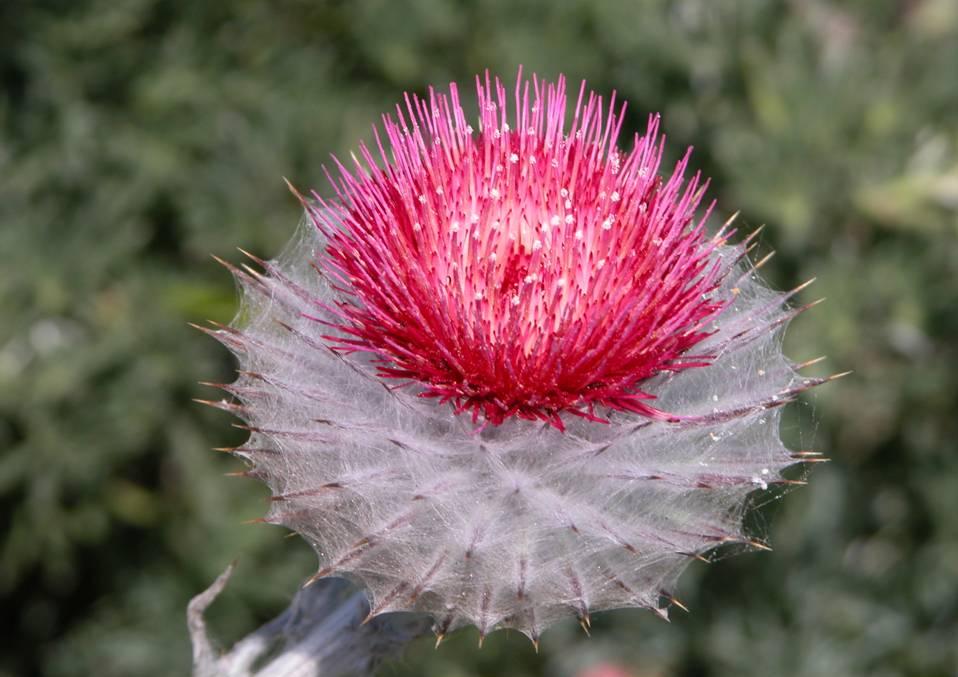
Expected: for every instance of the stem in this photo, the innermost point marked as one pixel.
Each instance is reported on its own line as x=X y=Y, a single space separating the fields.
x=319 y=635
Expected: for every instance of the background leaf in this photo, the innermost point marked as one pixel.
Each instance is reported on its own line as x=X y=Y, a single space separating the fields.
x=137 y=138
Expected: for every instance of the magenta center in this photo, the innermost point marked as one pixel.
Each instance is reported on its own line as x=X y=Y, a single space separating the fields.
x=522 y=268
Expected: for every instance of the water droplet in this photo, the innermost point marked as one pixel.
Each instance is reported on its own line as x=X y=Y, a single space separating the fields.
x=514 y=158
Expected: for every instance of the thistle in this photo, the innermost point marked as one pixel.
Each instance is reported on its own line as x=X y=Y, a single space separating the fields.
x=506 y=375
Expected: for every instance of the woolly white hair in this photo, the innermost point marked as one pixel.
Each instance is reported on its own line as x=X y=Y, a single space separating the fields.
x=518 y=525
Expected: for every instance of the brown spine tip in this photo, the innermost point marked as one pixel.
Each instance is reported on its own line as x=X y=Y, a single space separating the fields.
x=808 y=363
x=221 y=405
x=721 y=237
x=229 y=266
x=322 y=573
x=224 y=327
x=292 y=189
x=765 y=259
x=675 y=601
x=213 y=384
x=809 y=457
x=802 y=286
x=252 y=257
x=207 y=330
x=256 y=275
x=754 y=234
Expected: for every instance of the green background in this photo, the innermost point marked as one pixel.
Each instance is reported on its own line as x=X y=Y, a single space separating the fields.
x=137 y=137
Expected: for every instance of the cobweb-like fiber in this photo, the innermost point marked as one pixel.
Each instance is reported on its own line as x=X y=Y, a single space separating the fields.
x=517 y=525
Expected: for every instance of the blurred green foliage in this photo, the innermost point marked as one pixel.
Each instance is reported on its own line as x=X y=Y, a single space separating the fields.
x=137 y=137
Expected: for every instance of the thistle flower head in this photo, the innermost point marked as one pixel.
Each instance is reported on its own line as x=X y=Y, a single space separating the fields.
x=526 y=268
x=529 y=272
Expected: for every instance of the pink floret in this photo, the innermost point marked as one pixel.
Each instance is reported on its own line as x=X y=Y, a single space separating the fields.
x=525 y=268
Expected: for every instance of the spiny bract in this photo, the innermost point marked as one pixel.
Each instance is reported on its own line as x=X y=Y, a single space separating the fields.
x=552 y=286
